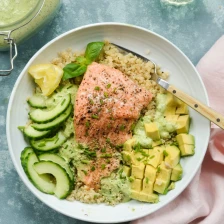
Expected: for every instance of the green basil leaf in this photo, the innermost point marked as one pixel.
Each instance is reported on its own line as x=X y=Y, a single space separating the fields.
x=93 y=50
x=81 y=60
x=70 y=67
x=73 y=70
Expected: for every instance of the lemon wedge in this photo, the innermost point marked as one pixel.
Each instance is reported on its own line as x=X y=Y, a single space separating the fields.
x=47 y=77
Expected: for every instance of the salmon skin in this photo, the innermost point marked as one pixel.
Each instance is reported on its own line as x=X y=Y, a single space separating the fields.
x=107 y=105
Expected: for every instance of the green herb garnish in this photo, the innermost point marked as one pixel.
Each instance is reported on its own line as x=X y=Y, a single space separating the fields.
x=122 y=127
x=108 y=86
x=165 y=153
x=147 y=180
x=84 y=171
x=93 y=168
x=158 y=169
x=79 y=67
x=97 y=88
x=106 y=155
x=87 y=124
x=103 y=150
x=95 y=116
x=105 y=94
x=103 y=166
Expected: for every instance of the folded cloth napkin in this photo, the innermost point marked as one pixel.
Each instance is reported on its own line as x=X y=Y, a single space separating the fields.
x=202 y=202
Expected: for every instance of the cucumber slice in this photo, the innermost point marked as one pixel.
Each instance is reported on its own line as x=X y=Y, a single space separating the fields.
x=42 y=182
x=63 y=182
x=56 y=122
x=59 y=160
x=37 y=101
x=48 y=144
x=26 y=151
x=43 y=116
x=30 y=132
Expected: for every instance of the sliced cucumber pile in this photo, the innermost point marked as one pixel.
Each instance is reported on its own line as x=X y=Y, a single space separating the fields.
x=43 y=116
x=30 y=132
x=63 y=182
x=50 y=126
x=37 y=101
x=41 y=169
x=57 y=121
x=48 y=144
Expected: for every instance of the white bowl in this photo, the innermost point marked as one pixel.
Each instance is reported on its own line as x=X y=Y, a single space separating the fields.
x=183 y=75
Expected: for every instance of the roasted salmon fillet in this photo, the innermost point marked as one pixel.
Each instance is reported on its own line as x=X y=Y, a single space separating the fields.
x=107 y=105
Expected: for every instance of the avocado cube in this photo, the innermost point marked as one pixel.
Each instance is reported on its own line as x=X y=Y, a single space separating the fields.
x=141 y=196
x=156 y=143
x=138 y=171
x=183 y=124
x=177 y=173
x=150 y=173
x=185 y=139
x=128 y=144
x=155 y=156
x=160 y=185
x=152 y=131
x=162 y=179
x=171 y=100
x=126 y=156
x=127 y=170
x=186 y=150
x=172 y=119
x=170 y=110
x=182 y=109
x=147 y=185
x=172 y=155
x=171 y=186
x=137 y=157
x=136 y=185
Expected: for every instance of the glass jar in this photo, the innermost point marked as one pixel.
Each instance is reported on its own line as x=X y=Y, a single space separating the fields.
x=20 y=19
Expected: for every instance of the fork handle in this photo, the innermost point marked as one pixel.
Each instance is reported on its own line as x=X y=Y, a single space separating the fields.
x=206 y=111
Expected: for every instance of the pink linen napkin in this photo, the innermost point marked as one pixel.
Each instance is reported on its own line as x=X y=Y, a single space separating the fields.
x=202 y=202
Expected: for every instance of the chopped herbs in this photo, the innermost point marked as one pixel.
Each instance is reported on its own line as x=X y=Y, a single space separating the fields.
x=85 y=161
x=91 y=101
x=66 y=147
x=122 y=127
x=103 y=166
x=151 y=157
x=165 y=153
x=95 y=116
x=89 y=154
x=105 y=94
x=139 y=159
x=108 y=86
x=147 y=180
x=106 y=155
x=158 y=169
x=101 y=101
x=103 y=150
x=97 y=88
x=107 y=161
x=84 y=171
x=108 y=140
x=87 y=124
x=131 y=179
x=93 y=168
x=69 y=87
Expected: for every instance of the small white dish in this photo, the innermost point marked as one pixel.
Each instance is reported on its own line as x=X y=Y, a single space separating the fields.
x=182 y=74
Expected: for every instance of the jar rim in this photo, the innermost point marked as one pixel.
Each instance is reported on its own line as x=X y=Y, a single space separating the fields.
x=27 y=16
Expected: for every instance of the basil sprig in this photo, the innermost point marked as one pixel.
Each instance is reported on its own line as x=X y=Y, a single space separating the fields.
x=79 y=66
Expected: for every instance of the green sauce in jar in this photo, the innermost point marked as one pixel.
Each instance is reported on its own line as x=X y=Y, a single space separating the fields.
x=12 y=11
x=15 y=13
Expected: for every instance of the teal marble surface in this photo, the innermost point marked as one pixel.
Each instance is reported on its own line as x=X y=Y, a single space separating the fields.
x=193 y=29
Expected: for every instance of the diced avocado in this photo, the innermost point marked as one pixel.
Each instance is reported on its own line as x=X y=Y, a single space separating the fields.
x=156 y=156
x=126 y=156
x=186 y=150
x=185 y=139
x=170 y=111
x=127 y=170
x=142 y=196
x=138 y=171
x=183 y=124
x=163 y=179
x=152 y=131
x=150 y=173
x=172 y=118
x=136 y=184
x=177 y=173
x=171 y=186
x=172 y=155
x=171 y=100
x=138 y=157
x=128 y=144
x=182 y=109
x=147 y=185
x=156 y=143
